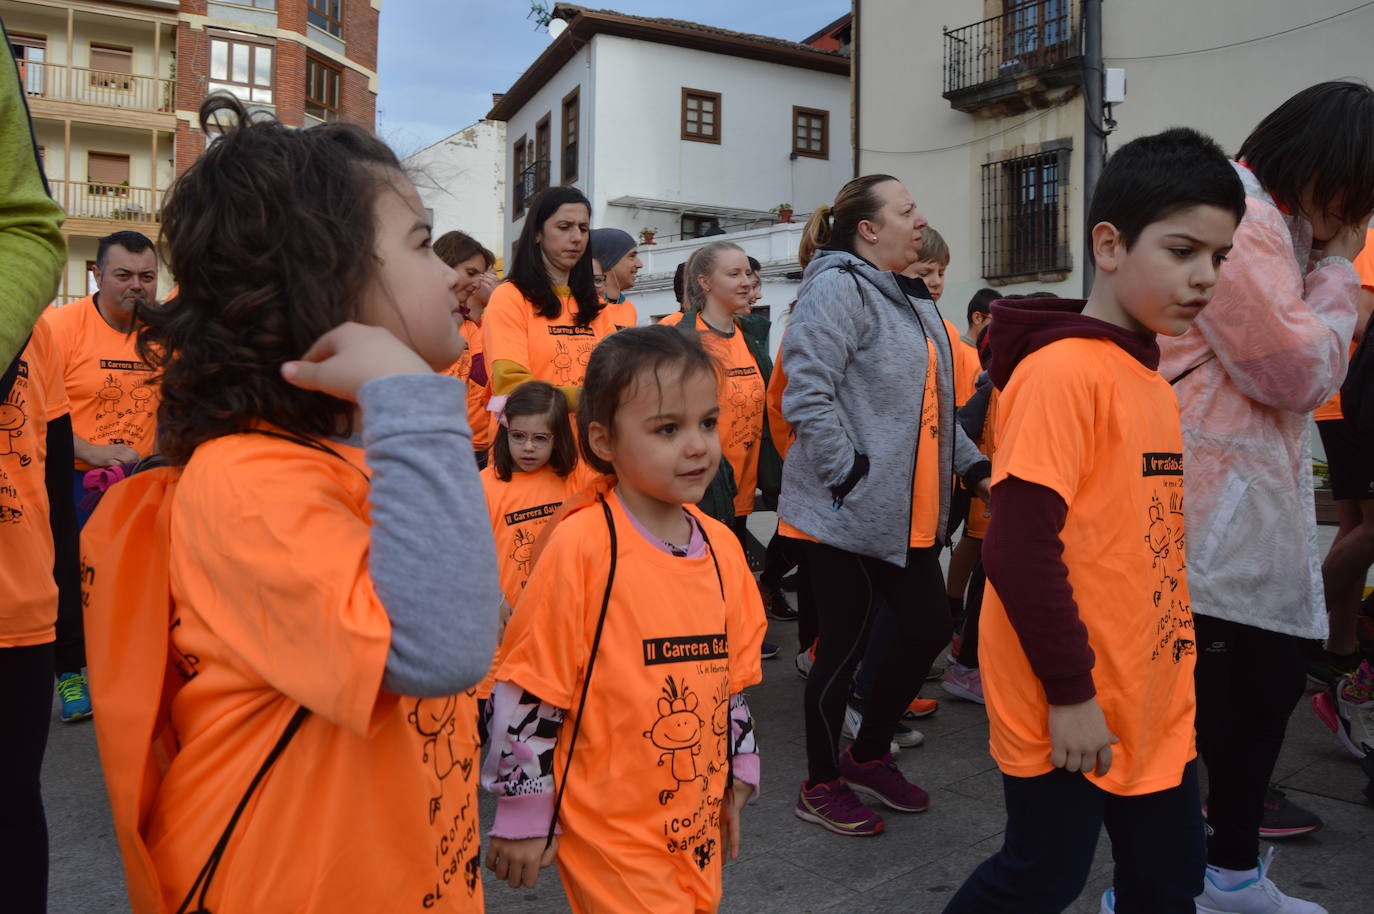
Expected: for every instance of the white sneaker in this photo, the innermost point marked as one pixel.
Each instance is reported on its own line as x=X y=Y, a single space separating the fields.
x=805 y=660
x=1258 y=896
x=1108 y=902
x=903 y=738
x=1358 y=733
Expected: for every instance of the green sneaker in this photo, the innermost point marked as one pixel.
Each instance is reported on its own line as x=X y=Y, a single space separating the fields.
x=76 y=697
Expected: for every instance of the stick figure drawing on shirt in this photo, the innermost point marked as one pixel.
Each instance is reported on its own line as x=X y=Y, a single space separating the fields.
x=678 y=733
x=434 y=719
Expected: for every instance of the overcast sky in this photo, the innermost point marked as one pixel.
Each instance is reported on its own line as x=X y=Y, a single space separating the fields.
x=439 y=61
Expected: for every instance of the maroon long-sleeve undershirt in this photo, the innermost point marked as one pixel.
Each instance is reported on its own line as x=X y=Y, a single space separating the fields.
x=1023 y=556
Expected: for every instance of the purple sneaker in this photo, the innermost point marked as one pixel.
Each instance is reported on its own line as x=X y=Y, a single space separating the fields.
x=835 y=808
x=881 y=780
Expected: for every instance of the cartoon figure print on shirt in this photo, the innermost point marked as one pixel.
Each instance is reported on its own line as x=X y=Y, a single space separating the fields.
x=436 y=719
x=678 y=733
x=746 y=401
x=123 y=414
x=523 y=553
x=571 y=353
x=1166 y=540
x=16 y=445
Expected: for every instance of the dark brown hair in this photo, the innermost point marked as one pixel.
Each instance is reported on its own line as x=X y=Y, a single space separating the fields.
x=1323 y=137
x=615 y=367
x=455 y=247
x=527 y=271
x=270 y=235
x=537 y=398
x=835 y=226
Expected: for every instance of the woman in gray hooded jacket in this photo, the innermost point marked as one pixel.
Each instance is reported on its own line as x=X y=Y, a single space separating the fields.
x=870 y=395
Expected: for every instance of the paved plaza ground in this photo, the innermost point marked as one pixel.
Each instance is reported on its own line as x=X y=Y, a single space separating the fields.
x=789 y=866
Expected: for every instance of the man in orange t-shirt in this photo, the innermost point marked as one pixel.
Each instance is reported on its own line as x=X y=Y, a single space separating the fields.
x=113 y=399
x=1087 y=634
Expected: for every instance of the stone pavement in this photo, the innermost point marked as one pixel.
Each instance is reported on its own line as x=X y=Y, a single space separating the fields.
x=789 y=866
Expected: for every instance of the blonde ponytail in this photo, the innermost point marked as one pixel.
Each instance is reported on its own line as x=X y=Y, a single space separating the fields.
x=815 y=236
x=701 y=263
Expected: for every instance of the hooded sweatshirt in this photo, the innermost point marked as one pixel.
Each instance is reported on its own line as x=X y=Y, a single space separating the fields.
x=1085 y=552
x=856 y=359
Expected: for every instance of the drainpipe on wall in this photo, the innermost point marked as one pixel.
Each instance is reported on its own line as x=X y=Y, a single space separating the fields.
x=1094 y=140
x=854 y=80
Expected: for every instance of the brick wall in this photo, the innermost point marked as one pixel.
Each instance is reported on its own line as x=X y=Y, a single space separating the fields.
x=289 y=90
x=357 y=103
x=360 y=32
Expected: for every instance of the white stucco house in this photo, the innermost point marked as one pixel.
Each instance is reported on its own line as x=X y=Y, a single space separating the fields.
x=462 y=182
x=682 y=130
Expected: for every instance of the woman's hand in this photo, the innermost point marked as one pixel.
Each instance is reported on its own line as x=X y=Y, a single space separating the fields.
x=1349 y=241
x=349 y=356
x=518 y=862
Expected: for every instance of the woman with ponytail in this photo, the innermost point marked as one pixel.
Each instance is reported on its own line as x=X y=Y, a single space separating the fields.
x=870 y=398
x=545 y=321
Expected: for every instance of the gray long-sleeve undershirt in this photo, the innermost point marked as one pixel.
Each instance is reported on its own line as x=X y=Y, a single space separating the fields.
x=432 y=561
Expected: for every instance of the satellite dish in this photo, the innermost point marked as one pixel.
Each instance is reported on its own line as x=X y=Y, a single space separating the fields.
x=557 y=27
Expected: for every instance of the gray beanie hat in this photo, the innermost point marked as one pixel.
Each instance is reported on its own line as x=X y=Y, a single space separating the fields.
x=609 y=245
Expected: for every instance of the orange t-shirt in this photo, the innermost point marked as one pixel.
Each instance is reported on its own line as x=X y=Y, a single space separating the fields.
x=967 y=366
x=479 y=420
x=1086 y=419
x=779 y=429
x=372 y=806
x=741 y=394
x=641 y=812
x=28 y=591
x=1364 y=265
x=554 y=350
x=925 y=485
x=623 y=315
x=112 y=396
x=977 y=526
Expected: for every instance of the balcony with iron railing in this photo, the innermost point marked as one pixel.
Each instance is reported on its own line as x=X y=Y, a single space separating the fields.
x=1028 y=57
x=44 y=80
x=528 y=185
x=118 y=202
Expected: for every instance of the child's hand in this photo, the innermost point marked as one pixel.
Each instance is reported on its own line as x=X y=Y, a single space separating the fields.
x=519 y=862
x=349 y=356
x=735 y=797
x=1349 y=241
x=1079 y=738
x=505 y=614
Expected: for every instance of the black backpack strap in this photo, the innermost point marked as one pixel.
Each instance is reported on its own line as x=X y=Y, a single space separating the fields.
x=587 y=677
x=207 y=872
x=1188 y=371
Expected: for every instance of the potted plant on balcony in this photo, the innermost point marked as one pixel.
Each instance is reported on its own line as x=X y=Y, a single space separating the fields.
x=646 y=235
x=784 y=211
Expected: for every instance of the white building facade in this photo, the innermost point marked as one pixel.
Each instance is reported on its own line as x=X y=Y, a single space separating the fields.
x=682 y=131
x=462 y=182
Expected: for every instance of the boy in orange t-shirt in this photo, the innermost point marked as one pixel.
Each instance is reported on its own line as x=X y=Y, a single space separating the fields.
x=1087 y=630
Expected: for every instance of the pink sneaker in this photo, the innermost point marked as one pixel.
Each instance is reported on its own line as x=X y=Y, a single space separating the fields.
x=835 y=808
x=881 y=780
x=962 y=682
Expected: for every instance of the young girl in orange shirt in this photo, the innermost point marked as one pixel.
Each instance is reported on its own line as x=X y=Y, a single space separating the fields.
x=641 y=623
x=534 y=469
x=285 y=655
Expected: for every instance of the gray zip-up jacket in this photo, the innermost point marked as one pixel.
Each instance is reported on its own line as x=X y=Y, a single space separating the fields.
x=855 y=358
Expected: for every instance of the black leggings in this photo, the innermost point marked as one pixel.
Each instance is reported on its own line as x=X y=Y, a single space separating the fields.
x=26 y=687
x=844 y=586
x=1248 y=682
x=783 y=554
x=973 y=609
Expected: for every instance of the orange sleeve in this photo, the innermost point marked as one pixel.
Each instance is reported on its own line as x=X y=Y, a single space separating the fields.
x=1364 y=263
x=1045 y=422
x=44 y=361
x=966 y=366
x=270 y=550
x=778 y=428
x=505 y=338
x=744 y=607
x=546 y=641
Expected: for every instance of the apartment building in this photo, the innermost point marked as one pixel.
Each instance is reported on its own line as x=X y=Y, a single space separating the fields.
x=978 y=105
x=113 y=89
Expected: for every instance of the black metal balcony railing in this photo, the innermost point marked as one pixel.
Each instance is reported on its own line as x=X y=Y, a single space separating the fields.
x=1029 y=37
x=529 y=183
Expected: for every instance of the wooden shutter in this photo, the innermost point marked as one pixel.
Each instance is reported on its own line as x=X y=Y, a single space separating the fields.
x=112 y=60
x=107 y=168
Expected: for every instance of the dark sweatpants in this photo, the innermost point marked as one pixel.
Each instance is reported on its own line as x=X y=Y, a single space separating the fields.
x=1248 y=682
x=1053 y=823
x=25 y=711
x=845 y=586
